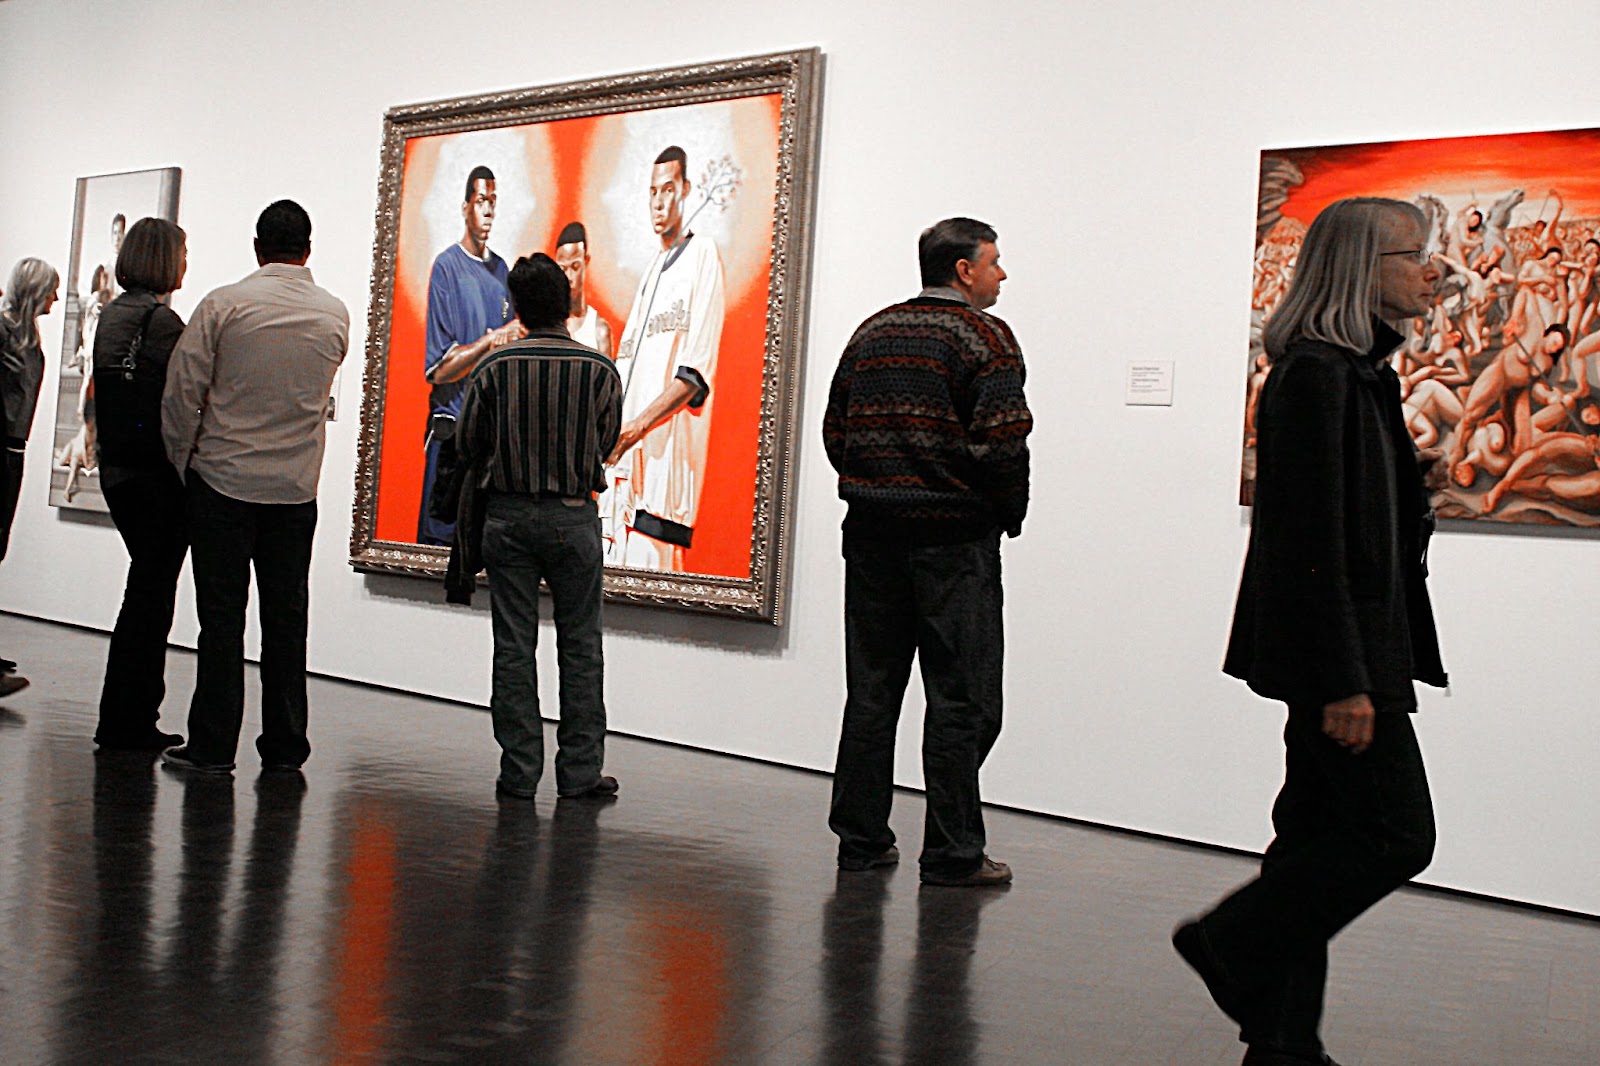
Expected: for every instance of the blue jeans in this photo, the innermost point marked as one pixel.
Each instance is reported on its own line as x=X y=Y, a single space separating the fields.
x=939 y=604
x=526 y=539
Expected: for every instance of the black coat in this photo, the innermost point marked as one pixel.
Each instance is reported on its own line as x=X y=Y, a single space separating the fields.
x=1333 y=600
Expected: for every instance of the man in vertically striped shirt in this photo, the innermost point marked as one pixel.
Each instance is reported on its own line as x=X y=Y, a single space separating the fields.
x=538 y=420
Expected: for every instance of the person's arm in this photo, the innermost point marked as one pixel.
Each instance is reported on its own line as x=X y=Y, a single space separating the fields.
x=1306 y=608
x=999 y=427
x=189 y=373
x=602 y=338
x=675 y=396
x=836 y=419
x=608 y=409
x=460 y=359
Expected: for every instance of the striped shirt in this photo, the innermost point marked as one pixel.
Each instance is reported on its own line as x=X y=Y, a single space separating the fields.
x=246 y=398
x=542 y=415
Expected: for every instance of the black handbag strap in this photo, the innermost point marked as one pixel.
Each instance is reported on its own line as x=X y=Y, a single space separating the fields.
x=130 y=360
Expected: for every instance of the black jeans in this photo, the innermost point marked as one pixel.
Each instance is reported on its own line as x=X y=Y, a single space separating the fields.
x=227 y=538
x=148 y=511
x=1350 y=829
x=942 y=605
x=10 y=486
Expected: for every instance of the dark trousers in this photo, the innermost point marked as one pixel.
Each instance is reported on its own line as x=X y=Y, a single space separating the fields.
x=527 y=539
x=438 y=456
x=10 y=486
x=1350 y=829
x=228 y=537
x=149 y=513
x=941 y=605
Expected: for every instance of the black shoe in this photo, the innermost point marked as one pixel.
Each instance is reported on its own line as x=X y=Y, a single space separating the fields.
x=155 y=740
x=10 y=683
x=1191 y=943
x=179 y=759
x=280 y=767
x=7 y=665
x=988 y=872
x=604 y=788
x=887 y=857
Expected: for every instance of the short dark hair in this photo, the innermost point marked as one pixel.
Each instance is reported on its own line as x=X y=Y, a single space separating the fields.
x=946 y=243
x=573 y=233
x=1561 y=328
x=119 y=219
x=674 y=154
x=479 y=173
x=539 y=291
x=283 y=232
x=1556 y=248
x=151 y=257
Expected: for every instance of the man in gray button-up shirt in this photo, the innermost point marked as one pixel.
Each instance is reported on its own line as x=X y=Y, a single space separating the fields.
x=243 y=418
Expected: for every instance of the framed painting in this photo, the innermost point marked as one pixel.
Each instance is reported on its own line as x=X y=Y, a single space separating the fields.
x=1500 y=374
x=103 y=208
x=680 y=203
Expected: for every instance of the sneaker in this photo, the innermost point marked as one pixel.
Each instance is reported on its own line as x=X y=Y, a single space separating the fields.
x=604 y=788
x=10 y=683
x=179 y=759
x=988 y=872
x=887 y=857
x=155 y=740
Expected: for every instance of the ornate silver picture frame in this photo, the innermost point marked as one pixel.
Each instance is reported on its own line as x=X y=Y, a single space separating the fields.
x=707 y=168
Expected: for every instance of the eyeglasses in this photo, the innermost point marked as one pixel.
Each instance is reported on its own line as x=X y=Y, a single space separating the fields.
x=1419 y=256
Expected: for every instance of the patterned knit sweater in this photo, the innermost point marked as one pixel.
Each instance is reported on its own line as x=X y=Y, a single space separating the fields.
x=928 y=427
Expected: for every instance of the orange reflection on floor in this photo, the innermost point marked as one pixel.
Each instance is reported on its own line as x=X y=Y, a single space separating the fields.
x=690 y=954
x=361 y=954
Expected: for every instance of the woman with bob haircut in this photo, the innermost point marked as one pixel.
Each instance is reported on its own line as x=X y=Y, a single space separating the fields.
x=29 y=295
x=1333 y=619
x=142 y=490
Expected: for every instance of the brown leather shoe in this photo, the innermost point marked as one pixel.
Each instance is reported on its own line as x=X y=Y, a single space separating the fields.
x=10 y=683
x=988 y=872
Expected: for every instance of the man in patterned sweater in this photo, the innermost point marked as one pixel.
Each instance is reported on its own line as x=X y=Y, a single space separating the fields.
x=927 y=426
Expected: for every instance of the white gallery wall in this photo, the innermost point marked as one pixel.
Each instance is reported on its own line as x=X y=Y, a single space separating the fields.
x=1114 y=147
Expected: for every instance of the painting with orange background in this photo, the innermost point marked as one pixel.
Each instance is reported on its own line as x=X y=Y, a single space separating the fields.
x=680 y=226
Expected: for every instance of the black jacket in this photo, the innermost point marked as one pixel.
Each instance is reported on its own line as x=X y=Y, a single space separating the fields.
x=21 y=371
x=1333 y=600
x=128 y=405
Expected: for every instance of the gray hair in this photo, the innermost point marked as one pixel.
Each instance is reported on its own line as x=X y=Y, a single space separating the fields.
x=32 y=282
x=1334 y=294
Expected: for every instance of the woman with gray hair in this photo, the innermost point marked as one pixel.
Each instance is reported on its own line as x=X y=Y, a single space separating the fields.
x=29 y=295
x=142 y=490
x=1333 y=619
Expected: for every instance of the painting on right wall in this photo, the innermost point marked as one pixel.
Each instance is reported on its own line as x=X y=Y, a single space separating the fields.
x=1500 y=375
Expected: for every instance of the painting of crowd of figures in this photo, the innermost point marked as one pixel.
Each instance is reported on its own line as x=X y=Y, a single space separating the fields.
x=1500 y=375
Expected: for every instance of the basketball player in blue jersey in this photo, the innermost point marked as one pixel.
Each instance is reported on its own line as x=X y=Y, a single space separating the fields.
x=469 y=314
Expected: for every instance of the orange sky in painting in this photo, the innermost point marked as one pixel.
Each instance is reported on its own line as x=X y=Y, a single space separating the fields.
x=1453 y=168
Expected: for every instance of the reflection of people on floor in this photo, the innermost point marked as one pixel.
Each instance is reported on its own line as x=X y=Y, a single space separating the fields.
x=668 y=360
x=852 y=965
x=469 y=314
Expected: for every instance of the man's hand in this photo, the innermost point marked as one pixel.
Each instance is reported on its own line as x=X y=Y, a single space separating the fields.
x=1349 y=722
x=511 y=331
x=633 y=432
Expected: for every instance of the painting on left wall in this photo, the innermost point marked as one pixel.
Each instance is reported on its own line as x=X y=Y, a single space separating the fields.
x=104 y=207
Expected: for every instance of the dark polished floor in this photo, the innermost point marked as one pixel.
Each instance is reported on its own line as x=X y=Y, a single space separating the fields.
x=389 y=907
